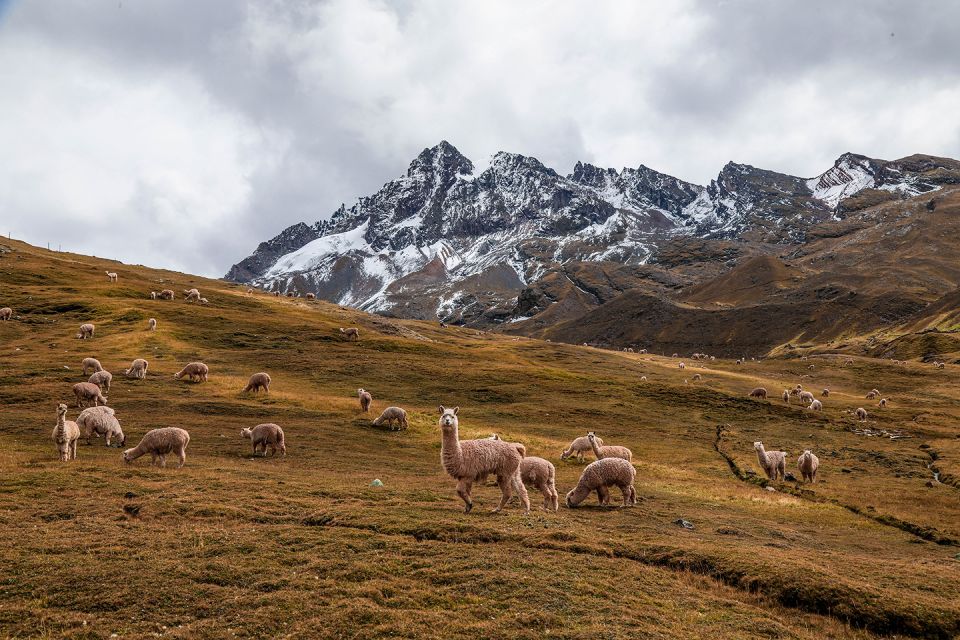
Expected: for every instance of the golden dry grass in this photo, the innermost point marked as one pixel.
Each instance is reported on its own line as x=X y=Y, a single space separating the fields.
x=232 y=546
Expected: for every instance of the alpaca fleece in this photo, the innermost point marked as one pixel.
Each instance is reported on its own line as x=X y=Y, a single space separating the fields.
x=266 y=435
x=138 y=369
x=608 y=451
x=100 y=421
x=195 y=372
x=102 y=379
x=578 y=447
x=87 y=392
x=599 y=476
x=365 y=399
x=159 y=443
x=91 y=363
x=808 y=464
x=541 y=474
x=257 y=382
x=773 y=463
x=390 y=416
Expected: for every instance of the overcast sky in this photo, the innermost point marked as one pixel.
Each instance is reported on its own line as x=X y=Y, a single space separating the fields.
x=181 y=133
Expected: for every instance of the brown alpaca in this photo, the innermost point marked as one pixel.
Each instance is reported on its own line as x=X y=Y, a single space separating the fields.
x=195 y=372
x=759 y=392
x=266 y=435
x=352 y=333
x=470 y=461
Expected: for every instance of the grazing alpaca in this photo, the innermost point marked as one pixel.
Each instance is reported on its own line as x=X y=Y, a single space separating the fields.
x=599 y=476
x=470 y=461
x=808 y=464
x=152 y=324
x=391 y=415
x=65 y=435
x=138 y=369
x=862 y=414
x=111 y=275
x=91 y=363
x=193 y=370
x=102 y=379
x=825 y=393
x=100 y=421
x=608 y=451
x=191 y=295
x=578 y=447
x=266 y=435
x=773 y=463
x=86 y=392
x=365 y=400
x=786 y=396
x=759 y=392
x=166 y=294
x=258 y=381
x=6 y=313
x=86 y=331
x=352 y=333
x=160 y=442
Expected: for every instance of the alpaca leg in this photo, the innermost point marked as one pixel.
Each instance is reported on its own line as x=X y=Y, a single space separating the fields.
x=521 y=490
x=73 y=449
x=506 y=492
x=153 y=459
x=626 y=490
x=544 y=488
x=603 y=494
x=463 y=490
x=182 y=455
x=163 y=461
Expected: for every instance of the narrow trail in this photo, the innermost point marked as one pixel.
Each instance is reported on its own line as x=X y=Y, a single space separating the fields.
x=930 y=534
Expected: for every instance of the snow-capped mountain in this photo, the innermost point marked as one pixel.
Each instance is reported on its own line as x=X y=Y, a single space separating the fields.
x=442 y=239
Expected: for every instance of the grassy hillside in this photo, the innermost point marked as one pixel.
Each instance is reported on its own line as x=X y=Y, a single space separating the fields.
x=303 y=546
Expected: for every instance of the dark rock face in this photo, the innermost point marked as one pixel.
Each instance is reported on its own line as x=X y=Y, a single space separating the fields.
x=518 y=239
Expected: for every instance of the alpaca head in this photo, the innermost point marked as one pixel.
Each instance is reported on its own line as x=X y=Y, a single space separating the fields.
x=566 y=454
x=61 y=409
x=360 y=391
x=128 y=456
x=494 y=436
x=448 y=417
x=576 y=495
x=591 y=436
x=246 y=433
x=758 y=446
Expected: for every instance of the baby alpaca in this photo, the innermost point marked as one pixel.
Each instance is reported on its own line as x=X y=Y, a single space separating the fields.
x=87 y=392
x=470 y=461
x=608 y=451
x=599 y=476
x=808 y=464
x=86 y=331
x=159 y=443
x=352 y=333
x=6 y=313
x=759 y=392
x=773 y=463
x=152 y=324
x=258 y=381
x=578 y=447
x=138 y=369
x=266 y=435
x=91 y=363
x=102 y=379
x=65 y=435
x=391 y=415
x=194 y=372
x=542 y=475
x=100 y=421
x=365 y=400
x=111 y=275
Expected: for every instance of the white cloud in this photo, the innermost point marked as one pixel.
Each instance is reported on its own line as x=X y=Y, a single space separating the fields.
x=146 y=131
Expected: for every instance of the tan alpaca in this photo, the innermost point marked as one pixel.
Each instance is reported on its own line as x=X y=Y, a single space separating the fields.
x=102 y=379
x=159 y=443
x=65 y=435
x=390 y=416
x=470 y=461
x=578 y=447
x=608 y=451
x=759 y=392
x=88 y=392
x=138 y=369
x=86 y=331
x=365 y=399
x=351 y=333
x=100 y=421
x=91 y=363
x=808 y=464
x=194 y=372
x=773 y=463
x=257 y=382
x=266 y=435
x=599 y=476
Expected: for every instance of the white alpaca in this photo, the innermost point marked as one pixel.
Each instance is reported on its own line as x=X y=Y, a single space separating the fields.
x=152 y=324
x=91 y=363
x=578 y=447
x=100 y=421
x=808 y=464
x=159 y=443
x=65 y=435
x=111 y=275
x=773 y=463
x=138 y=369
x=599 y=476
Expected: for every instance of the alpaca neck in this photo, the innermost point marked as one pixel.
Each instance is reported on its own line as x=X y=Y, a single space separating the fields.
x=595 y=447
x=451 y=455
x=60 y=425
x=762 y=455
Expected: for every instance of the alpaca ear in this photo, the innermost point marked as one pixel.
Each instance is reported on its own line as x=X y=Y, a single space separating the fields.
x=455 y=410
x=442 y=409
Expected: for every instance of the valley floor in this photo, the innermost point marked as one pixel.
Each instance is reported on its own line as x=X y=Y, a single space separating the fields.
x=303 y=546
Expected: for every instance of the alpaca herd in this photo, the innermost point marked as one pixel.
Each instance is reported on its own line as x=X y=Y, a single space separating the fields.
x=466 y=461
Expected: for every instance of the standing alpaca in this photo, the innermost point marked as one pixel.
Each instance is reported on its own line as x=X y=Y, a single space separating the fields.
x=578 y=447
x=258 y=381
x=365 y=400
x=111 y=275
x=352 y=333
x=86 y=392
x=773 y=463
x=808 y=464
x=160 y=442
x=759 y=392
x=542 y=475
x=862 y=414
x=91 y=363
x=100 y=421
x=786 y=396
x=608 y=451
x=391 y=415
x=6 y=313
x=152 y=324
x=86 y=331
x=194 y=372
x=599 y=476
x=102 y=379
x=191 y=295
x=65 y=435
x=138 y=369
x=166 y=294
x=470 y=461
x=266 y=435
